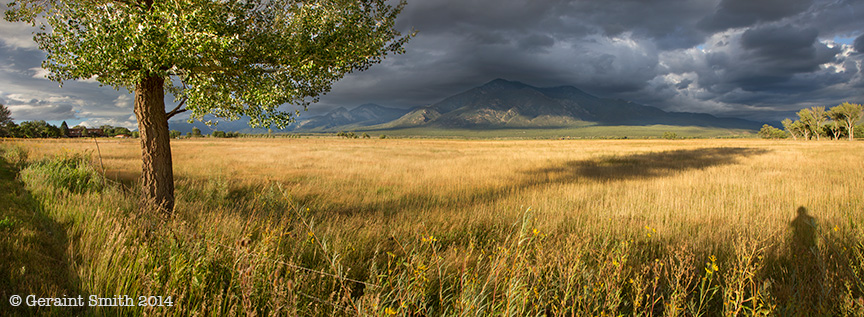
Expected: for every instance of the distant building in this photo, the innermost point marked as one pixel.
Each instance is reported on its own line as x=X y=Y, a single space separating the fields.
x=77 y=133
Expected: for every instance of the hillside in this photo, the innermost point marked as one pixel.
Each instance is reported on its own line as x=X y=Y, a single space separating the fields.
x=363 y=115
x=509 y=104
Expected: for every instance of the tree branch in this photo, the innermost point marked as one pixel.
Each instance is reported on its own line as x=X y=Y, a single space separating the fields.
x=176 y=109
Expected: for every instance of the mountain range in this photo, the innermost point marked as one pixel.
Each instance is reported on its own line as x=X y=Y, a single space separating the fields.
x=510 y=104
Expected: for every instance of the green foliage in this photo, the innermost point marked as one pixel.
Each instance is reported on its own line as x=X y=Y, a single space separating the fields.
x=114 y=131
x=15 y=154
x=64 y=173
x=223 y=134
x=5 y=121
x=383 y=136
x=846 y=115
x=770 y=132
x=64 y=129
x=174 y=134
x=670 y=135
x=347 y=135
x=227 y=58
x=813 y=122
x=366 y=135
x=196 y=132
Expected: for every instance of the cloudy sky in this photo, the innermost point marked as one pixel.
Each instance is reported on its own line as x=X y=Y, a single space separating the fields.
x=755 y=59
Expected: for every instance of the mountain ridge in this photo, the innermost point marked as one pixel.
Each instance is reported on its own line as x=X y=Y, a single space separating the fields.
x=502 y=103
x=505 y=104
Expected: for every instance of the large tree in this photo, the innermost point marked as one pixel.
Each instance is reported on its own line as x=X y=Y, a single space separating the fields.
x=228 y=58
x=847 y=114
x=813 y=119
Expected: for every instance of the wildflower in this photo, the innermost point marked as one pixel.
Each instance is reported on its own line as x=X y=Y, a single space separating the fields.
x=714 y=267
x=536 y=231
x=389 y=311
x=836 y=229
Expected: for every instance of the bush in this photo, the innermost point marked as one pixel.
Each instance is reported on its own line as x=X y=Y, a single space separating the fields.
x=71 y=172
x=670 y=135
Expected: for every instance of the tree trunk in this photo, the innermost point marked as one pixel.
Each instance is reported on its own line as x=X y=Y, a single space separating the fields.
x=157 y=177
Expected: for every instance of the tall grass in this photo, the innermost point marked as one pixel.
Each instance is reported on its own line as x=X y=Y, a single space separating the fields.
x=391 y=227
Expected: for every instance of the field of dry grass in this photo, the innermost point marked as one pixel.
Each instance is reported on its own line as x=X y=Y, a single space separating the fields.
x=587 y=227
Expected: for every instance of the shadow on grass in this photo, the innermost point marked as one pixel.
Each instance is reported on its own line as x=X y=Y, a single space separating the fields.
x=619 y=168
x=33 y=257
x=638 y=166
x=803 y=282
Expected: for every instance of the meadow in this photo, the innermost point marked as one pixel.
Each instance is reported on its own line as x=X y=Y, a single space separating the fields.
x=327 y=226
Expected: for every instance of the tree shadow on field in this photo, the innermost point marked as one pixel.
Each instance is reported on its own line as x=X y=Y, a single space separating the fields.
x=636 y=166
x=639 y=166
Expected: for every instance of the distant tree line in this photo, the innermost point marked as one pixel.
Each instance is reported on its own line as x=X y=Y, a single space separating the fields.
x=43 y=129
x=817 y=123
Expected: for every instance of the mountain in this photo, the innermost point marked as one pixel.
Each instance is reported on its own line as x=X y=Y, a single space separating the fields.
x=502 y=103
x=363 y=115
x=497 y=104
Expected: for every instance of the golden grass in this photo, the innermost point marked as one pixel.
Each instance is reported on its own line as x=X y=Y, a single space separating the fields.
x=663 y=207
x=708 y=184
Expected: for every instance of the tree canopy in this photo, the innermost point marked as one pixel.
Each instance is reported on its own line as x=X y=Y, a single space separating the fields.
x=812 y=122
x=228 y=58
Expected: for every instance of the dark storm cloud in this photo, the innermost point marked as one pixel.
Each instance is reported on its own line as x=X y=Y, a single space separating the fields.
x=668 y=23
x=536 y=42
x=740 y=13
x=773 y=54
x=727 y=57
x=859 y=44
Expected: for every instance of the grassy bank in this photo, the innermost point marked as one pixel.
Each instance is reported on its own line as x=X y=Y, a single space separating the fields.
x=431 y=227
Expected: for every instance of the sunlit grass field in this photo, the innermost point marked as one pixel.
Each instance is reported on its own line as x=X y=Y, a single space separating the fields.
x=317 y=226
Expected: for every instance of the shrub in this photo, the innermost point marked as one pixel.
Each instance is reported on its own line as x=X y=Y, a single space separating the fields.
x=69 y=172
x=670 y=135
